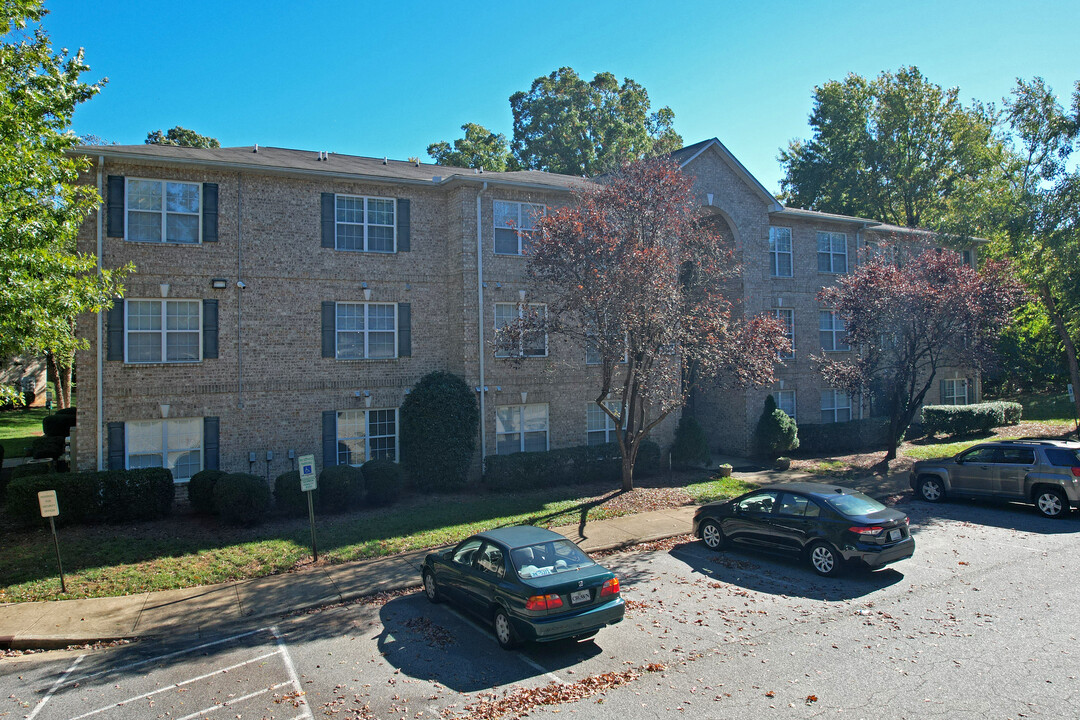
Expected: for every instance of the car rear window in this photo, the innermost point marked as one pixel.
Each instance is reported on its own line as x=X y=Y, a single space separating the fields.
x=1063 y=457
x=548 y=558
x=854 y=503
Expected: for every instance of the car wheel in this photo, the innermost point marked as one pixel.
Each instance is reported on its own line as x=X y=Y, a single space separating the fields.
x=1051 y=503
x=504 y=630
x=431 y=590
x=712 y=535
x=931 y=489
x=824 y=560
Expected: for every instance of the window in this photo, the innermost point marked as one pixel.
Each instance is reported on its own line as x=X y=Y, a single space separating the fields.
x=780 y=252
x=797 y=506
x=515 y=226
x=955 y=391
x=832 y=252
x=491 y=560
x=832 y=331
x=173 y=444
x=785 y=400
x=533 y=343
x=600 y=428
x=761 y=502
x=162 y=331
x=787 y=317
x=521 y=428
x=979 y=455
x=162 y=211
x=364 y=435
x=967 y=257
x=366 y=331
x=835 y=406
x=1016 y=456
x=364 y=224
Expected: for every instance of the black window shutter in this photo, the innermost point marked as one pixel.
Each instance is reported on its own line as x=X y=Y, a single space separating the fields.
x=115 y=207
x=114 y=320
x=329 y=438
x=941 y=392
x=403 y=244
x=211 y=431
x=209 y=212
x=328 y=220
x=116 y=446
x=329 y=328
x=209 y=329
x=404 y=333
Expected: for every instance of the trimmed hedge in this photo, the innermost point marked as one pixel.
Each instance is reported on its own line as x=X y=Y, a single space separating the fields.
x=439 y=423
x=776 y=433
x=31 y=469
x=58 y=425
x=288 y=497
x=241 y=499
x=851 y=436
x=87 y=497
x=341 y=488
x=200 y=490
x=969 y=419
x=383 y=479
x=691 y=447
x=47 y=446
x=567 y=466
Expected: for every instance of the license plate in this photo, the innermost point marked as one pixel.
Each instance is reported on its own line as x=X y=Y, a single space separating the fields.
x=579 y=596
x=894 y=534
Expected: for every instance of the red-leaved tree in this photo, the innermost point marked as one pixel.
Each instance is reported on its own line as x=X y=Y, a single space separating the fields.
x=630 y=270
x=909 y=311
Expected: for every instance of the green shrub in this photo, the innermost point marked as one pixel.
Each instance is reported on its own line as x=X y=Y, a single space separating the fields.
x=57 y=425
x=383 y=479
x=578 y=465
x=77 y=495
x=341 y=488
x=288 y=497
x=648 y=460
x=200 y=490
x=67 y=411
x=439 y=426
x=691 y=447
x=91 y=496
x=1013 y=411
x=47 y=446
x=241 y=499
x=31 y=469
x=844 y=437
x=965 y=419
x=776 y=433
x=139 y=494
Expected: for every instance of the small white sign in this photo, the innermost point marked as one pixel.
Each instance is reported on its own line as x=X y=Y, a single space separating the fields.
x=308 y=481
x=1071 y=396
x=47 y=502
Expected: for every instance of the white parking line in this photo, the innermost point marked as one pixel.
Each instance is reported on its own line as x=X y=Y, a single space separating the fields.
x=242 y=698
x=292 y=672
x=525 y=658
x=56 y=686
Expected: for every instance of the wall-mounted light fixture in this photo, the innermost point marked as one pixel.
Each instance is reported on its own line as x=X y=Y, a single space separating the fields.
x=524 y=396
x=498 y=286
x=219 y=283
x=521 y=295
x=367 y=291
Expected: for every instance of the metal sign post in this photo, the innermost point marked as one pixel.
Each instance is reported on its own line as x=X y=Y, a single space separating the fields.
x=308 y=483
x=50 y=509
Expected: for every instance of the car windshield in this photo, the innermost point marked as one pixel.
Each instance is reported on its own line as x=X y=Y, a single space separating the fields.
x=854 y=503
x=548 y=558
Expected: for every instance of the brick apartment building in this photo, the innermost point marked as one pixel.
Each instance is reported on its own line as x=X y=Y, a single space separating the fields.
x=285 y=301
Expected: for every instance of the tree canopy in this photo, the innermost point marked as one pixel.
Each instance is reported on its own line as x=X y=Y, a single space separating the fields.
x=898 y=148
x=47 y=284
x=181 y=136
x=480 y=148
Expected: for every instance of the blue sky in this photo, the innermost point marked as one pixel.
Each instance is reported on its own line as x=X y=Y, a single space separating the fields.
x=389 y=78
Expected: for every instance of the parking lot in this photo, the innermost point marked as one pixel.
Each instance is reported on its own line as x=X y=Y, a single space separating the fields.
x=981 y=622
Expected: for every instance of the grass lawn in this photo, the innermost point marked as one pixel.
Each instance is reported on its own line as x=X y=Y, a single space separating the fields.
x=184 y=551
x=18 y=428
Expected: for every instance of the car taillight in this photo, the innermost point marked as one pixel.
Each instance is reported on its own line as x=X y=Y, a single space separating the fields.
x=543 y=602
x=1076 y=472
x=865 y=530
x=611 y=587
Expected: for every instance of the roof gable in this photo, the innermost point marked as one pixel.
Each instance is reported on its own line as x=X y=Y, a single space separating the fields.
x=687 y=155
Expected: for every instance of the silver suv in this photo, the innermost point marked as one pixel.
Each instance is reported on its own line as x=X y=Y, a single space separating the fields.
x=1043 y=472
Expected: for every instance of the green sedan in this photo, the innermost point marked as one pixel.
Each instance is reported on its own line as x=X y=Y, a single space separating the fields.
x=530 y=583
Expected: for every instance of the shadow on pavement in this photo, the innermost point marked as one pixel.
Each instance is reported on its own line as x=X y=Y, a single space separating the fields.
x=990 y=513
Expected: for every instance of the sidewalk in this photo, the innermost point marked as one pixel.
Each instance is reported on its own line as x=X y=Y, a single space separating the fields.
x=60 y=623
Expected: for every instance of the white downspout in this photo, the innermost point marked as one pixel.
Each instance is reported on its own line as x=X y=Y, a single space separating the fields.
x=480 y=321
x=100 y=327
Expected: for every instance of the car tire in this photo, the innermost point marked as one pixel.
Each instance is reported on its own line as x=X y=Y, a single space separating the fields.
x=824 y=560
x=431 y=588
x=712 y=535
x=1051 y=502
x=931 y=489
x=504 y=630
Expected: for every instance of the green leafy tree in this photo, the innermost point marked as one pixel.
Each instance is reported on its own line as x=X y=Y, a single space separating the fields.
x=440 y=421
x=898 y=148
x=776 y=432
x=181 y=136
x=480 y=148
x=566 y=125
x=46 y=283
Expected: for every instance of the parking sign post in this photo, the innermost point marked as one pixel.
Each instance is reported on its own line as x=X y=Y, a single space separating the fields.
x=308 y=483
x=50 y=509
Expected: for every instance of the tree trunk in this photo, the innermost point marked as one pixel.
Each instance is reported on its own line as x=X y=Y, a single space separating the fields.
x=60 y=372
x=1066 y=340
x=628 y=471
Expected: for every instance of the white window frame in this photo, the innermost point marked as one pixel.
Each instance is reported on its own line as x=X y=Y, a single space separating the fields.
x=519 y=312
x=165 y=449
x=835 y=331
x=163 y=331
x=952 y=385
x=786 y=315
x=775 y=252
x=830 y=403
x=365 y=416
x=366 y=225
x=162 y=210
x=830 y=253
x=592 y=351
x=593 y=412
x=520 y=431
x=786 y=399
x=522 y=231
x=366 y=332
